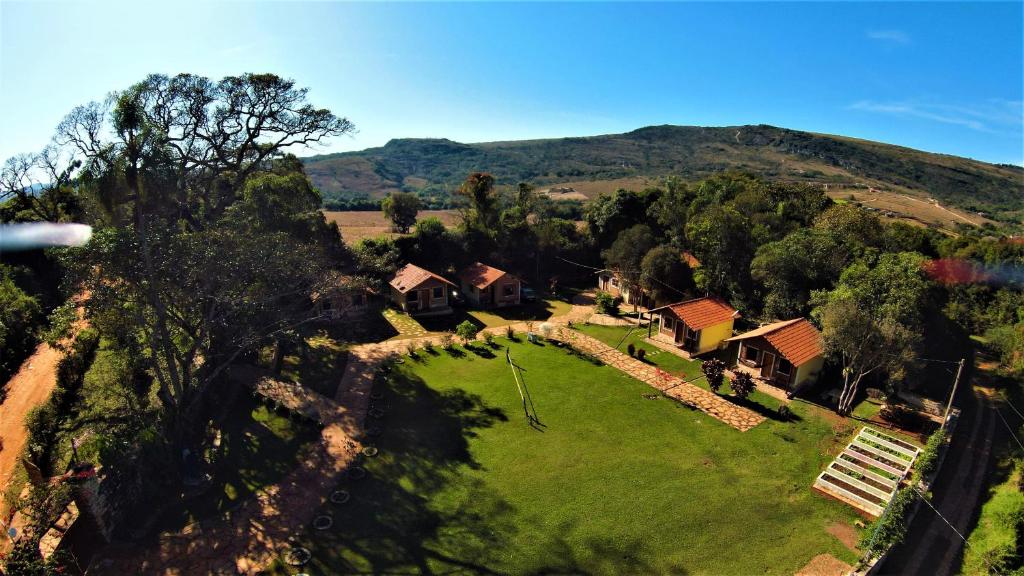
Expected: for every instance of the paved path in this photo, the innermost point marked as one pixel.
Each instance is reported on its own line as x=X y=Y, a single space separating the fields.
x=738 y=417
x=931 y=547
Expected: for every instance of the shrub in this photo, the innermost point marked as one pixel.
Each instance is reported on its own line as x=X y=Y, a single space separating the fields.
x=467 y=331
x=890 y=529
x=410 y=347
x=641 y=353
x=447 y=341
x=605 y=303
x=510 y=332
x=784 y=413
x=489 y=338
x=875 y=394
x=428 y=345
x=928 y=459
x=742 y=385
x=630 y=349
x=714 y=371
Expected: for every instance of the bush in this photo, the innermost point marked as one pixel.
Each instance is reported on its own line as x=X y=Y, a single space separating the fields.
x=410 y=347
x=43 y=422
x=742 y=385
x=467 y=331
x=714 y=371
x=489 y=339
x=20 y=315
x=510 y=332
x=630 y=349
x=928 y=459
x=447 y=341
x=641 y=353
x=891 y=528
x=605 y=303
x=784 y=413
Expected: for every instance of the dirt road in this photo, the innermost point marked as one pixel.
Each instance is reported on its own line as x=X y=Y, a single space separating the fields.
x=30 y=387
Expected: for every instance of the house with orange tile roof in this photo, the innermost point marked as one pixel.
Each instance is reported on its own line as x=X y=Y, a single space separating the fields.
x=488 y=287
x=696 y=326
x=787 y=354
x=419 y=291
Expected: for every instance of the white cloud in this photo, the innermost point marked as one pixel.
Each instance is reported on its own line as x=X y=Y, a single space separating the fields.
x=993 y=116
x=891 y=36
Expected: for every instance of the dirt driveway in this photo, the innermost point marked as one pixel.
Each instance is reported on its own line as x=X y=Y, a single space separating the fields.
x=30 y=387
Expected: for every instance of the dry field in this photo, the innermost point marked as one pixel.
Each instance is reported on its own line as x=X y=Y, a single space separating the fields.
x=357 y=225
x=590 y=189
x=924 y=210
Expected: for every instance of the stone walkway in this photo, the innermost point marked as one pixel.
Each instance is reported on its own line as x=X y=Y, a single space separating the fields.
x=738 y=417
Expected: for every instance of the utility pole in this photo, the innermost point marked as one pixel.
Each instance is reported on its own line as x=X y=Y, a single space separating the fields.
x=949 y=405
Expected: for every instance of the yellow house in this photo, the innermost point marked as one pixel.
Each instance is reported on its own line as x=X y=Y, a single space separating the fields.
x=696 y=326
x=787 y=354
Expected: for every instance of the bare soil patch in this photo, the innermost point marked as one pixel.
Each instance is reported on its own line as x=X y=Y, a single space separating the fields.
x=845 y=533
x=825 y=565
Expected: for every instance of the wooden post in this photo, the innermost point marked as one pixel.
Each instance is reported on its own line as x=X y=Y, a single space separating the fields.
x=949 y=405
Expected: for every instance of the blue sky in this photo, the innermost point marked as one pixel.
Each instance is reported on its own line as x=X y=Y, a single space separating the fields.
x=941 y=77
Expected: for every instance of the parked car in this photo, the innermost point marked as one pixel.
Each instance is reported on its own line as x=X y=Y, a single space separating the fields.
x=527 y=294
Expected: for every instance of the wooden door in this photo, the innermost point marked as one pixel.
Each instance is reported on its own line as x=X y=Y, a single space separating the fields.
x=768 y=365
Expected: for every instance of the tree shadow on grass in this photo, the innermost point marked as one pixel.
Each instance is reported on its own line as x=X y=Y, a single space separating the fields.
x=418 y=511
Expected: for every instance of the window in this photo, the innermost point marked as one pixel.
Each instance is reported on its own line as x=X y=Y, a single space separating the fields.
x=438 y=292
x=667 y=323
x=784 y=367
x=615 y=281
x=508 y=289
x=750 y=353
x=412 y=296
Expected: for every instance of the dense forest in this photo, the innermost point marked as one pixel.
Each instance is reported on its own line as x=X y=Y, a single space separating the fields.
x=435 y=167
x=208 y=242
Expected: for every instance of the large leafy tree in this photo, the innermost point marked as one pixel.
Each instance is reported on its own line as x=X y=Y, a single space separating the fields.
x=401 y=208
x=665 y=276
x=208 y=239
x=720 y=238
x=790 y=269
x=626 y=254
x=872 y=320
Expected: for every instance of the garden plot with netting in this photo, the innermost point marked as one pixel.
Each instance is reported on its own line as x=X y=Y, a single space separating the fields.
x=867 y=473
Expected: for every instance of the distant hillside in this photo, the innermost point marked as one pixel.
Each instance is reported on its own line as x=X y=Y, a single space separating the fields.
x=434 y=165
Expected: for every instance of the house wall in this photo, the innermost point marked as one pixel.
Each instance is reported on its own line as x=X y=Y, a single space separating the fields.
x=807 y=371
x=425 y=300
x=712 y=337
x=800 y=375
x=493 y=295
x=343 y=305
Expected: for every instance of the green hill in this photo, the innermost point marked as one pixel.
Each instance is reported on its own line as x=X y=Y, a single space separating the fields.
x=687 y=151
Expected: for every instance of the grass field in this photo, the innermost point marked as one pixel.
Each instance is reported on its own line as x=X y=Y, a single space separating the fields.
x=356 y=224
x=614 y=481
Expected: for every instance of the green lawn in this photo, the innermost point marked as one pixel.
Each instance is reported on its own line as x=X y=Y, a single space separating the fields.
x=614 y=481
x=536 y=311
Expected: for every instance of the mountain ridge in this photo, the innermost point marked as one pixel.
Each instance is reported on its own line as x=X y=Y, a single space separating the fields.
x=433 y=166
